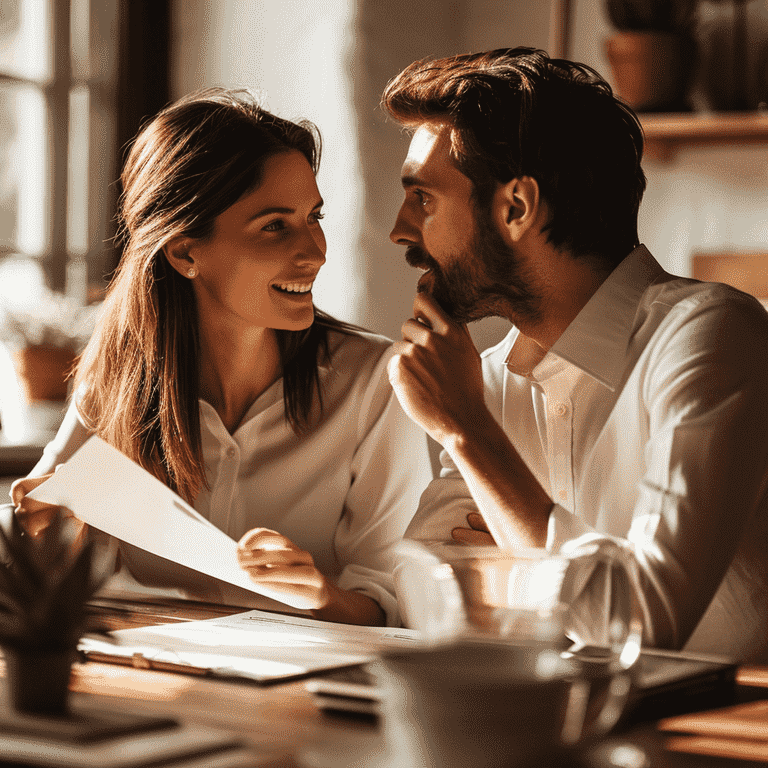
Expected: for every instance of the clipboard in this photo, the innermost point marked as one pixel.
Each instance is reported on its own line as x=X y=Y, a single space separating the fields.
x=254 y=646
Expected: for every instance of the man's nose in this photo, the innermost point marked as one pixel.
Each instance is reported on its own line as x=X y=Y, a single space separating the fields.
x=403 y=233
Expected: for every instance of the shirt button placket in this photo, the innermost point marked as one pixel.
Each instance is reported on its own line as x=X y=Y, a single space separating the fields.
x=561 y=454
x=229 y=474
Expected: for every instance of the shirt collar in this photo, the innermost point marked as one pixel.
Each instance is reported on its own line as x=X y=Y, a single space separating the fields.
x=597 y=339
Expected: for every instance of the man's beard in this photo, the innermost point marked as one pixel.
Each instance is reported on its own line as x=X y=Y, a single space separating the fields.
x=483 y=280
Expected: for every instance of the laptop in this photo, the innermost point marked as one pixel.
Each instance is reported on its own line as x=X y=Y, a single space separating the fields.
x=665 y=683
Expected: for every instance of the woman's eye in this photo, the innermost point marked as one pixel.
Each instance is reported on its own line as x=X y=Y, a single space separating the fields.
x=317 y=216
x=275 y=226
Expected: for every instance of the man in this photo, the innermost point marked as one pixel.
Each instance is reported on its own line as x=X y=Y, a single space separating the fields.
x=625 y=404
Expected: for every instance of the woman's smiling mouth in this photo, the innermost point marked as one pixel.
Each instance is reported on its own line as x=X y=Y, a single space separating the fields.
x=299 y=288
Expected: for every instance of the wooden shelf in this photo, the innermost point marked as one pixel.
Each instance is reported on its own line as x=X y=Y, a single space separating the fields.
x=665 y=133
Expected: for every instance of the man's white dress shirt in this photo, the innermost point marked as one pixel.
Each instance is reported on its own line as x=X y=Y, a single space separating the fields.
x=345 y=491
x=647 y=423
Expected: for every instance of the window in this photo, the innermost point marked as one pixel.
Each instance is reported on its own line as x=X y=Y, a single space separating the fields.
x=77 y=78
x=58 y=76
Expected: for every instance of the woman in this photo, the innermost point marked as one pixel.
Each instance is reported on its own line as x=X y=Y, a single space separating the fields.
x=212 y=369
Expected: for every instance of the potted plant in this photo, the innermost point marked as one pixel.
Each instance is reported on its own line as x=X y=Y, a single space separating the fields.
x=45 y=584
x=39 y=343
x=653 y=52
x=45 y=338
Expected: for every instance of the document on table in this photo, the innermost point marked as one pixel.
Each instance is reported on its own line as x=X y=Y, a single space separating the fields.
x=255 y=645
x=108 y=491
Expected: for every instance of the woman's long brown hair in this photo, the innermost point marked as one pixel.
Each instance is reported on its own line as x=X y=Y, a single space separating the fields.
x=137 y=382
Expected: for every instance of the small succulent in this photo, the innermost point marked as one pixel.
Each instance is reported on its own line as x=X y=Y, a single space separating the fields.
x=45 y=584
x=677 y=16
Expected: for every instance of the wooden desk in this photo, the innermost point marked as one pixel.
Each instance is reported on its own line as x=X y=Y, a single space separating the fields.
x=281 y=721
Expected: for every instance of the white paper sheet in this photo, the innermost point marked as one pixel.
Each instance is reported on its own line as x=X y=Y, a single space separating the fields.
x=108 y=491
x=257 y=645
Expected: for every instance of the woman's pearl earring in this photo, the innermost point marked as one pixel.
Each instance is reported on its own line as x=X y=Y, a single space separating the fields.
x=192 y=272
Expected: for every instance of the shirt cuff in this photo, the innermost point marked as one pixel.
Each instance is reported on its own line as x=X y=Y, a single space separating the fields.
x=357 y=582
x=566 y=532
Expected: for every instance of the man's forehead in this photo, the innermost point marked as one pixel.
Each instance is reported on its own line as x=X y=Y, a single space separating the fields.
x=429 y=141
x=429 y=156
x=425 y=141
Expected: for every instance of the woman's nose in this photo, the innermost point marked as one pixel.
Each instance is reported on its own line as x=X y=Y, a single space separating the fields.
x=313 y=248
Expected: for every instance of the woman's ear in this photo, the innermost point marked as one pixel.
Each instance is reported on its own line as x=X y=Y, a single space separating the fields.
x=517 y=206
x=176 y=251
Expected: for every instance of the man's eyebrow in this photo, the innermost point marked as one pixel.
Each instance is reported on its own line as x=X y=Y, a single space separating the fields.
x=413 y=181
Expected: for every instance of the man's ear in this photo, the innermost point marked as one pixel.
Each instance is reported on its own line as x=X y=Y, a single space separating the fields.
x=517 y=207
x=176 y=251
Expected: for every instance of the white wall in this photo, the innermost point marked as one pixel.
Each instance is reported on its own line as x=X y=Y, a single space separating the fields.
x=329 y=62
x=295 y=54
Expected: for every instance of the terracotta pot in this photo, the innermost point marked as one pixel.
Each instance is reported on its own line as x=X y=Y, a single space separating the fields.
x=652 y=70
x=42 y=371
x=38 y=681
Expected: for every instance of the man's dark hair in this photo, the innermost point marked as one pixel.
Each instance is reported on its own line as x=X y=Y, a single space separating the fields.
x=515 y=112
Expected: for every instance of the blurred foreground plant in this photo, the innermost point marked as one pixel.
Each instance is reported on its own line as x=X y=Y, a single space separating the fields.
x=45 y=585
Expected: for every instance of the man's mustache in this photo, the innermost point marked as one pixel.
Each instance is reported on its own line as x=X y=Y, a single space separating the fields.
x=418 y=257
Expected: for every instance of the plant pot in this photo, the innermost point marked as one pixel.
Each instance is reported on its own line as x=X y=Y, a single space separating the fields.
x=652 y=70
x=38 y=681
x=42 y=371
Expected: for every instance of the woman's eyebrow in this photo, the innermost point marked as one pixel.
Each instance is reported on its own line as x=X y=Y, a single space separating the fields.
x=281 y=209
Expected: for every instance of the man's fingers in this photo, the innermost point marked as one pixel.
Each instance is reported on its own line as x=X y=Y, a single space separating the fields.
x=473 y=537
x=475 y=521
x=428 y=312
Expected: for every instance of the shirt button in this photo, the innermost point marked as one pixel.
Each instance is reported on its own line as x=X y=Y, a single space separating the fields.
x=561 y=409
x=230 y=452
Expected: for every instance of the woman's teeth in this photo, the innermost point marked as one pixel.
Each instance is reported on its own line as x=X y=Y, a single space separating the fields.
x=294 y=287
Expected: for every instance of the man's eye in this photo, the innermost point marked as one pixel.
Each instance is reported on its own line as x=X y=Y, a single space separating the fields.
x=421 y=196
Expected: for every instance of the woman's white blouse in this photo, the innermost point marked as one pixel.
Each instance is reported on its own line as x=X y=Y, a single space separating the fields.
x=345 y=491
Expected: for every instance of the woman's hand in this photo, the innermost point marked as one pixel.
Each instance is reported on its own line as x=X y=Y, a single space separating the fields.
x=274 y=561
x=36 y=516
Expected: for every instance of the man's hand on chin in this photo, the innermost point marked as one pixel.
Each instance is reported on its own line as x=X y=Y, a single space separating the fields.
x=436 y=373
